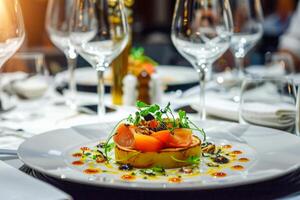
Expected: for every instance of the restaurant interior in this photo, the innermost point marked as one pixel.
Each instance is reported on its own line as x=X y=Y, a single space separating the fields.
x=160 y=99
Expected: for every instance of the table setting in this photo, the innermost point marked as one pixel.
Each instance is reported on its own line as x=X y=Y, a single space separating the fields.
x=126 y=126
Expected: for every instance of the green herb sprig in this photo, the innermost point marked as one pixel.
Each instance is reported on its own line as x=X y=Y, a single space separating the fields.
x=193 y=160
x=153 y=171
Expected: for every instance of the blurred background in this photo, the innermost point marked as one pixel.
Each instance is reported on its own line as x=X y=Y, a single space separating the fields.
x=151 y=30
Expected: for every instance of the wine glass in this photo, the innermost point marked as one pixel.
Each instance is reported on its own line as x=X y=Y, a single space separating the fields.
x=99 y=32
x=247 y=20
x=57 y=24
x=268 y=101
x=12 y=32
x=201 y=32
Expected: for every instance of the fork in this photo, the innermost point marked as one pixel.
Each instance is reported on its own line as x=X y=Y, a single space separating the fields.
x=8 y=152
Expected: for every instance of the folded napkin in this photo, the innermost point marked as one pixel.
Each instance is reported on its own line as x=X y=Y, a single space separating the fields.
x=219 y=107
x=25 y=85
x=273 y=70
x=280 y=116
x=31 y=87
x=16 y=185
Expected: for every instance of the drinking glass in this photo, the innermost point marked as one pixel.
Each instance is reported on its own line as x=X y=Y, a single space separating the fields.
x=99 y=32
x=269 y=102
x=201 y=32
x=12 y=32
x=57 y=24
x=247 y=20
x=30 y=76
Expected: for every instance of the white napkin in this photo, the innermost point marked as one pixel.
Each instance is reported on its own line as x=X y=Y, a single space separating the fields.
x=16 y=185
x=21 y=84
x=276 y=69
x=33 y=87
x=272 y=115
x=219 y=107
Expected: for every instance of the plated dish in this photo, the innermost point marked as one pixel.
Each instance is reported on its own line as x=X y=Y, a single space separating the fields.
x=154 y=149
x=156 y=145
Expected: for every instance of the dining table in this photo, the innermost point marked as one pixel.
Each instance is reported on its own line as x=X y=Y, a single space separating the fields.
x=32 y=117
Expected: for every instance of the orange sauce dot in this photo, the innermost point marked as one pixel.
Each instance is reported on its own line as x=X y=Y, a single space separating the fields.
x=100 y=160
x=219 y=174
x=227 y=146
x=236 y=152
x=92 y=171
x=77 y=155
x=128 y=177
x=243 y=160
x=175 y=180
x=78 y=162
x=84 y=148
x=237 y=167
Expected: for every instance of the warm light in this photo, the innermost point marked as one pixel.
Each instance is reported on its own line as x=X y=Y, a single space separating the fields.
x=7 y=20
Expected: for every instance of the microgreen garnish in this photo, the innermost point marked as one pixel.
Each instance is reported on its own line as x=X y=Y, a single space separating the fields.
x=153 y=171
x=193 y=160
x=161 y=114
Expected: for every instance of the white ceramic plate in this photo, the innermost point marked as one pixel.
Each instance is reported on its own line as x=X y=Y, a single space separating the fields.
x=272 y=154
x=171 y=75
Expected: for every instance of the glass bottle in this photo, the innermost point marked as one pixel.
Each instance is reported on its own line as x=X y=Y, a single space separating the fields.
x=120 y=64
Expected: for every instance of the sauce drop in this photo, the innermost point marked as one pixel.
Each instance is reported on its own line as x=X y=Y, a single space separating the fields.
x=219 y=174
x=92 y=171
x=175 y=180
x=100 y=160
x=77 y=155
x=77 y=162
x=227 y=146
x=237 y=167
x=128 y=177
x=243 y=159
x=84 y=148
x=236 y=152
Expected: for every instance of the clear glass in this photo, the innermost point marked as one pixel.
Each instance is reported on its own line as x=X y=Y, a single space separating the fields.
x=57 y=24
x=298 y=112
x=99 y=32
x=201 y=32
x=269 y=102
x=247 y=20
x=12 y=33
x=30 y=78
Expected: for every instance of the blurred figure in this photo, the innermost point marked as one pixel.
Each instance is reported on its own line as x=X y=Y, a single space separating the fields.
x=290 y=41
x=276 y=23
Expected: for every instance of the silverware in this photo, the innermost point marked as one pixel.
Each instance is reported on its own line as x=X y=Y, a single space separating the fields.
x=8 y=152
x=20 y=133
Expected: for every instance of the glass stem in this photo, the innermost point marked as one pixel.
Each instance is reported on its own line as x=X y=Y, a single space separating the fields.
x=72 y=81
x=239 y=62
x=202 y=77
x=100 y=90
x=1 y=106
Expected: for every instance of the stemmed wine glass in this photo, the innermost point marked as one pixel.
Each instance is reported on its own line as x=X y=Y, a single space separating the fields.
x=247 y=20
x=99 y=32
x=12 y=32
x=57 y=24
x=201 y=32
